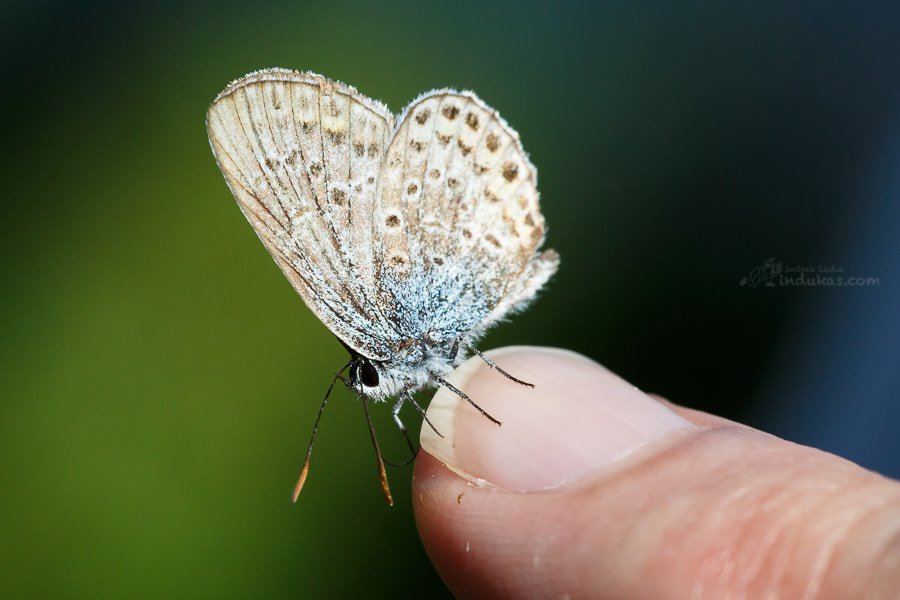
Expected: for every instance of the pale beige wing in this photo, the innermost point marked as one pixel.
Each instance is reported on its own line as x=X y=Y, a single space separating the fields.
x=456 y=174
x=302 y=156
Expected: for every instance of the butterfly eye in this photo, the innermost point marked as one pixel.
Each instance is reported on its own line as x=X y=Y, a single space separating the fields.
x=368 y=374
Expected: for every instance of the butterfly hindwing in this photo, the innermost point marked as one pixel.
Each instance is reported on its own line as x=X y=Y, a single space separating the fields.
x=461 y=217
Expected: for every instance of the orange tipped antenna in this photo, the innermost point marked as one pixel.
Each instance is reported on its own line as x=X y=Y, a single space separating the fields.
x=381 y=472
x=312 y=438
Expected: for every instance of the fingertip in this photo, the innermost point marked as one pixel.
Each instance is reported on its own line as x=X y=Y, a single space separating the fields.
x=578 y=417
x=468 y=478
x=717 y=505
x=473 y=535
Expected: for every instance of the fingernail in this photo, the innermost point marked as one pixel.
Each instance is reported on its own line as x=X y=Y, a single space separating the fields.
x=579 y=418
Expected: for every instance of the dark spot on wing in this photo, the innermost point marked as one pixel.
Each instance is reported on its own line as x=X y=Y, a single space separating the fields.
x=336 y=137
x=450 y=111
x=463 y=148
x=422 y=116
x=492 y=240
x=493 y=142
x=510 y=171
x=339 y=196
x=510 y=225
x=412 y=189
x=359 y=148
x=392 y=221
x=472 y=121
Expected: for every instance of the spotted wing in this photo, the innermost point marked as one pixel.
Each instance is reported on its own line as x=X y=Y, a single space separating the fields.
x=302 y=156
x=456 y=174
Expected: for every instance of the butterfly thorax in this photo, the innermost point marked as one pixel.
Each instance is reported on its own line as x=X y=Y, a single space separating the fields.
x=416 y=363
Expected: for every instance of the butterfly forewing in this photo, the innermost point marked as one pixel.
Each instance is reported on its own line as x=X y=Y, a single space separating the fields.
x=302 y=156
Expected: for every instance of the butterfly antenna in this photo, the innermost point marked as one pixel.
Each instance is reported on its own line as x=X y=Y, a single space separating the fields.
x=312 y=438
x=381 y=472
x=494 y=366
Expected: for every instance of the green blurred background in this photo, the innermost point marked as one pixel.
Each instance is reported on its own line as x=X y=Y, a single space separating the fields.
x=160 y=377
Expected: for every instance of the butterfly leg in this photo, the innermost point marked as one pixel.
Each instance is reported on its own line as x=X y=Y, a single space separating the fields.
x=494 y=366
x=424 y=414
x=396 y=412
x=463 y=395
x=404 y=396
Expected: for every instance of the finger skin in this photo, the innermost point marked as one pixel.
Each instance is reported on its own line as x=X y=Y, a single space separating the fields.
x=714 y=512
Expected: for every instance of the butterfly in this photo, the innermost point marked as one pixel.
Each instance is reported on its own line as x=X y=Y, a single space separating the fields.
x=408 y=238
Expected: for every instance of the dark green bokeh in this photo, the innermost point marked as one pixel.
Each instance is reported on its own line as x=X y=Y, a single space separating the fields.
x=160 y=377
